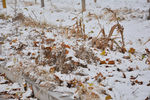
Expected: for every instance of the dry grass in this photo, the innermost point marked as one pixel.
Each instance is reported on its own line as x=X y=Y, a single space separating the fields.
x=26 y=21
x=4 y=17
x=19 y=17
x=32 y=23
x=29 y=22
x=108 y=40
x=105 y=40
x=76 y=30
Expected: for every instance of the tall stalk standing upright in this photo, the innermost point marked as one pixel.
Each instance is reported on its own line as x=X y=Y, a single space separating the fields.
x=42 y=3
x=83 y=6
x=4 y=3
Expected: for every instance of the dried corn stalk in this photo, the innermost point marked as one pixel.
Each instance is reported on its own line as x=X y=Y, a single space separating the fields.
x=105 y=40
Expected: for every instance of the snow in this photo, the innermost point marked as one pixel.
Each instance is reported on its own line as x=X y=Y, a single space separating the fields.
x=13 y=91
x=33 y=50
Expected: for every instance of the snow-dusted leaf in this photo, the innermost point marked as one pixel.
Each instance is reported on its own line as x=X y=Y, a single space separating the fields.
x=14 y=41
x=112 y=62
x=131 y=50
x=103 y=53
x=103 y=62
x=108 y=97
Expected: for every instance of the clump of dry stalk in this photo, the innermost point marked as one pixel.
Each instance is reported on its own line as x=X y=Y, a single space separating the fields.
x=32 y=23
x=19 y=17
x=107 y=40
x=77 y=29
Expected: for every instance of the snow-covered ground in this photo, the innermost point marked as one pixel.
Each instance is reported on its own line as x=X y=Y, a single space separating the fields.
x=14 y=91
x=54 y=47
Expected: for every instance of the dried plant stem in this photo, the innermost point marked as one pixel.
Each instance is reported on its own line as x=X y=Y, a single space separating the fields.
x=42 y=3
x=83 y=5
x=15 y=10
x=147 y=41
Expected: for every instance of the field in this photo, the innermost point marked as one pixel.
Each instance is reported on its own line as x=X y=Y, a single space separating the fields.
x=100 y=54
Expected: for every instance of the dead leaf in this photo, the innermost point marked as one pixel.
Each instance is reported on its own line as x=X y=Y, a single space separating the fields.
x=104 y=92
x=80 y=83
x=148 y=59
x=108 y=97
x=124 y=76
x=32 y=94
x=2 y=59
x=102 y=84
x=132 y=83
x=99 y=76
x=52 y=70
x=148 y=84
x=3 y=92
x=133 y=78
x=90 y=88
x=119 y=61
x=137 y=68
x=49 y=40
x=103 y=62
x=138 y=82
x=119 y=70
x=58 y=79
x=14 y=41
x=112 y=62
x=25 y=86
x=1 y=42
x=65 y=46
x=147 y=51
x=103 y=53
x=107 y=59
x=16 y=89
x=33 y=54
x=74 y=18
x=66 y=51
x=5 y=82
x=132 y=50
x=123 y=50
x=110 y=75
x=80 y=74
x=110 y=89
x=76 y=63
x=130 y=69
x=147 y=98
x=94 y=95
x=35 y=43
x=48 y=48
x=72 y=83
x=3 y=75
x=126 y=57
x=117 y=81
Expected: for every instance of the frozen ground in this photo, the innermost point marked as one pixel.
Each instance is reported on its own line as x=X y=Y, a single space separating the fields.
x=54 y=47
